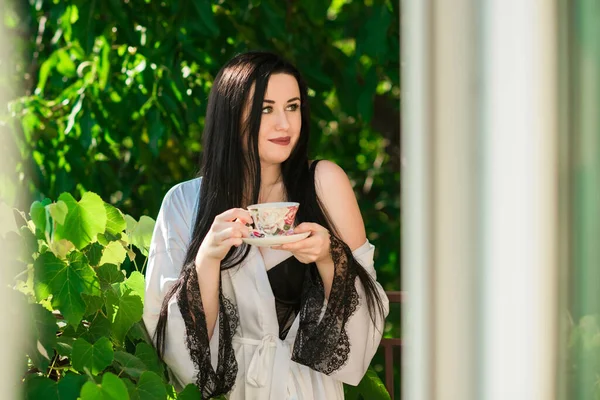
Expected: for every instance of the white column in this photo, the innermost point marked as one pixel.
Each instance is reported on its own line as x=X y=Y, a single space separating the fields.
x=520 y=200
x=479 y=199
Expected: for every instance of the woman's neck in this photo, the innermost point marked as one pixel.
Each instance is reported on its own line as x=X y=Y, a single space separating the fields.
x=271 y=184
x=269 y=175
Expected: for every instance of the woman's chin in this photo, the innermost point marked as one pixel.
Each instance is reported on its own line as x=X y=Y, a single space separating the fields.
x=274 y=158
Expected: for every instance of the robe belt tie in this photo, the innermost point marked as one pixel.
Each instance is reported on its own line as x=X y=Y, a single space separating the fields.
x=258 y=371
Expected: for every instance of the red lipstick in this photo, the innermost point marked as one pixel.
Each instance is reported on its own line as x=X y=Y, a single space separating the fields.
x=282 y=141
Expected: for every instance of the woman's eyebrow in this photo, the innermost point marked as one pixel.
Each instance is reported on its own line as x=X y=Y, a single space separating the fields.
x=273 y=102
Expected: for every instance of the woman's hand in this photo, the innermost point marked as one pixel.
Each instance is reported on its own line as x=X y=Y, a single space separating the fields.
x=227 y=230
x=314 y=248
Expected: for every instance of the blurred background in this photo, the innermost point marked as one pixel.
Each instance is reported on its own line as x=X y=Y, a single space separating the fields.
x=109 y=97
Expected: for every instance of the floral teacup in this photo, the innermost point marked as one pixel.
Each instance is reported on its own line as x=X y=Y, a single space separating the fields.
x=273 y=219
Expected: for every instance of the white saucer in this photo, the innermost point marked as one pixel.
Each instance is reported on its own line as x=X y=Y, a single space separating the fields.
x=275 y=240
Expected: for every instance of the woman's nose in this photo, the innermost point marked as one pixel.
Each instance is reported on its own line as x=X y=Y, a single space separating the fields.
x=282 y=123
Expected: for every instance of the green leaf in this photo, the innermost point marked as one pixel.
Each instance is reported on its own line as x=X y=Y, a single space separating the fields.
x=138 y=332
x=67 y=388
x=45 y=69
x=94 y=357
x=372 y=39
x=136 y=283
x=104 y=65
x=131 y=224
x=351 y=392
x=371 y=386
x=40 y=387
x=42 y=337
x=365 y=99
x=114 y=254
x=204 y=10
x=93 y=304
x=190 y=392
x=147 y=354
x=171 y=392
x=65 y=65
x=149 y=387
x=64 y=346
x=109 y=274
x=93 y=253
x=124 y=309
x=99 y=327
x=115 y=221
x=85 y=219
x=38 y=216
x=58 y=211
x=140 y=233
x=112 y=388
x=65 y=282
x=130 y=364
x=316 y=9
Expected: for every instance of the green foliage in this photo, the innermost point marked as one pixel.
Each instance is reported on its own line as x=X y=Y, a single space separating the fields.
x=370 y=387
x=87 y=337
x=115 y=95
x=584 y=357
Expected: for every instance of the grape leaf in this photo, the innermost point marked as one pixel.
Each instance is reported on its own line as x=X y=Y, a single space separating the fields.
x=85 y=219
x=95 y=357
x=65 y=281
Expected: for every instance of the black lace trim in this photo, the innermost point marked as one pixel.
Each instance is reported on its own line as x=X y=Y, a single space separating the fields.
x=211 y=383
x=324 y=345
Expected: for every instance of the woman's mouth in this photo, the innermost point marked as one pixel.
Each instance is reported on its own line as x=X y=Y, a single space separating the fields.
x=282 y=141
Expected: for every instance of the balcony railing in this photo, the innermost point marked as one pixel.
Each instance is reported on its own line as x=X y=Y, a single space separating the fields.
x=388 y=345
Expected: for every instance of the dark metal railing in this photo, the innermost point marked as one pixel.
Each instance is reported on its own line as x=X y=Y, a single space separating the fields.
x=388 y=345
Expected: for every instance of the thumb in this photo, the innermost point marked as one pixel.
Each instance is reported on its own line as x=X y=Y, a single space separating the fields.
x=303 y=227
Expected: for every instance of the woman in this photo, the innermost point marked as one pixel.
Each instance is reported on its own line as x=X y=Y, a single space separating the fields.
x=288 y=322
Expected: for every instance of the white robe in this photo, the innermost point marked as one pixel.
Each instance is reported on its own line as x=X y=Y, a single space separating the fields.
x=265 y=368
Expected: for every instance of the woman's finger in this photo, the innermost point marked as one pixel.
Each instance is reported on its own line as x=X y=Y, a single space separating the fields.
x=232 y=242
x=227 y=233
x=307 y=243
x=237 y=226
x=235 y=213
x=309 y=227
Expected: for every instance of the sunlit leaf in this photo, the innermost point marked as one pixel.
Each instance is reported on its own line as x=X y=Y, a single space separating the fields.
x=38 y=215
x=141 y=232
x=65 y=281
x=114 y=253
x=58 y=211
x=85 y=219
x=115 y=221
x=136 y=283
x=124 y=308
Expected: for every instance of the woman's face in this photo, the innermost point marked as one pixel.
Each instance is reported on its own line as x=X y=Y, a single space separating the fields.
x=281 y=119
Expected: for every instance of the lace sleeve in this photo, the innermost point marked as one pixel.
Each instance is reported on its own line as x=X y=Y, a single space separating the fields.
x=210 y=381
x=322 y=343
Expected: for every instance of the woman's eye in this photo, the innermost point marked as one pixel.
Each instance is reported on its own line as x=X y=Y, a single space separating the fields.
x=267 y=110
x=293 y=107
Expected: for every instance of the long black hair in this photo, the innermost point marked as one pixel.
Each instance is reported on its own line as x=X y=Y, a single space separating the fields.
x=231 y=175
